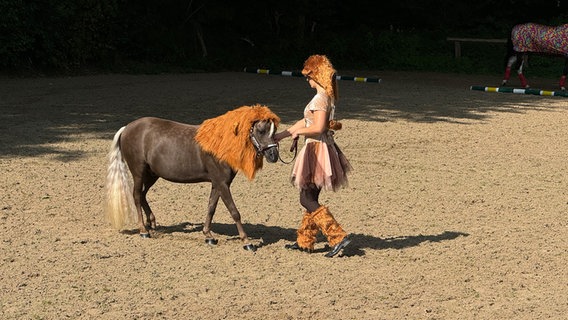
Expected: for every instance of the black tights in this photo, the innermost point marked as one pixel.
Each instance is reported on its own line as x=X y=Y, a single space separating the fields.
x=309 y=197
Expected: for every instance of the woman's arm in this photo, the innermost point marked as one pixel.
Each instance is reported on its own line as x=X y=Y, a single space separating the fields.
x=289 y=132
x=318 y=127
x=300 y=129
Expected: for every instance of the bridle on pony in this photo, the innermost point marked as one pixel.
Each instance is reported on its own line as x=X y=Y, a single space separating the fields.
x=257 y=145
x=260 y=149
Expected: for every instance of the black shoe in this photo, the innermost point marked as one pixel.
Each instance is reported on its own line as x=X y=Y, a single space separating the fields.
x=338 y=247
x=296 y=246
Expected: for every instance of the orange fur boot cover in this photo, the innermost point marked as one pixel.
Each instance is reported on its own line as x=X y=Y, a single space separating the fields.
x=328 y=226
x=307 y=232
x=227 y=137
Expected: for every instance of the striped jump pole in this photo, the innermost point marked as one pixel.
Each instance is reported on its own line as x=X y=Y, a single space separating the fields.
x=299 y=74
x=273 y=72
x=521 y=91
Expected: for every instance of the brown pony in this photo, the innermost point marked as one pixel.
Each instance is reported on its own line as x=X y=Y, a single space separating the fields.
x=214 y=151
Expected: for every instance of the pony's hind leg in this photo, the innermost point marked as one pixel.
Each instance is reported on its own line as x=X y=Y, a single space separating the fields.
x=564 y=74
x=517 y=62
x=137 y=195
x=149 y=181
x=512 y=60
x=142 y=184
x=524 y=82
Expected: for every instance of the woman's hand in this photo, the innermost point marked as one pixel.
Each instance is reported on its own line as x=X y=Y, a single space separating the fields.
x=294 y=135
x=290 y=132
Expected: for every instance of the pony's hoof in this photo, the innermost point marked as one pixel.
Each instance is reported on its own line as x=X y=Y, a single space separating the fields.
x=250 y=247
x=211 y=241
x=296 y=246
x=145 y=235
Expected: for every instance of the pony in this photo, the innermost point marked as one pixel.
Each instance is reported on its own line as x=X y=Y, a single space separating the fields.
x=535 y=38
x=151 y=148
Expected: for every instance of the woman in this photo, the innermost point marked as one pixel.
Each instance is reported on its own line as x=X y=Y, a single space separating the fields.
x=320 y=163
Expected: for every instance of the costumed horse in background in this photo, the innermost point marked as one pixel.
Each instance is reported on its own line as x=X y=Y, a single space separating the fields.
x=535 y=38
x=153 y=148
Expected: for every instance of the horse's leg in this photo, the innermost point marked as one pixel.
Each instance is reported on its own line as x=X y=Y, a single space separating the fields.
x=564 y=74
x=213 y=200
x=230 y=204
x=510 y=63
x=137 y=195
x=149 y=181
x=524 y=82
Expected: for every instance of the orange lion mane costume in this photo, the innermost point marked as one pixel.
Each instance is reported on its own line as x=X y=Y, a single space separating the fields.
x=227 y=137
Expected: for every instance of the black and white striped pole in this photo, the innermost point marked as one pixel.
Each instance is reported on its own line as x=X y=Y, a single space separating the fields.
x=299 y=74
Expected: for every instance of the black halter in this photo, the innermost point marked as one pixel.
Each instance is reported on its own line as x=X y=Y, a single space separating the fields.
x=259 y=149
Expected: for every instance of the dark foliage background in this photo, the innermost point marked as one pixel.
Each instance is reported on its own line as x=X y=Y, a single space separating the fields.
x=77 y=36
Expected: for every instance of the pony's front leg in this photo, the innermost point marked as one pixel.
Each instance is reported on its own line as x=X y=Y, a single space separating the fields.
x=213 y=200
x=230 y=204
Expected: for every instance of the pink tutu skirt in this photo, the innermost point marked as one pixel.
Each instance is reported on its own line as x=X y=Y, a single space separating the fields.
x=321 y=163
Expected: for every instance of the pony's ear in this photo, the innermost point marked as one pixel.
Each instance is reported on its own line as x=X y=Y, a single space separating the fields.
x=236 y=128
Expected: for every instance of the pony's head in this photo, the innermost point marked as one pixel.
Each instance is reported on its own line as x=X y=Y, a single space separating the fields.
x=241 y=138
x=262 y=138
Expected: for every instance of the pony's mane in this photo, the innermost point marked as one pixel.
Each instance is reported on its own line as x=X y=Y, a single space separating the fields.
x=227 y=137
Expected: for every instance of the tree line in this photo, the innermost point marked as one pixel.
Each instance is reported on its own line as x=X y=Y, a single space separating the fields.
x=195 y=35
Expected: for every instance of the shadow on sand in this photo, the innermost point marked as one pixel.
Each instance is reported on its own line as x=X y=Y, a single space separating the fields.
x=36 y=114
x=267 y=235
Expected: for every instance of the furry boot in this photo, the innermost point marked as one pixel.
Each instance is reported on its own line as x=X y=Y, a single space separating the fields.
x=307 y=232
x=328 y=226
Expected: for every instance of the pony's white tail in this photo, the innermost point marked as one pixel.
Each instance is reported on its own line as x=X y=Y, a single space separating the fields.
x=120 y=209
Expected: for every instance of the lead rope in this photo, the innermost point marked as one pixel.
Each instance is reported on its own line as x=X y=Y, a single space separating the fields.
x=293 y=148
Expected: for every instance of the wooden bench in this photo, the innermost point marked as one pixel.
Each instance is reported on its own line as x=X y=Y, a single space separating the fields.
x=458 y=41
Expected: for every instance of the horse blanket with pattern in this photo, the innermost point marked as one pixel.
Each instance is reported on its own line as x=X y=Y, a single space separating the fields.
x=532 y=37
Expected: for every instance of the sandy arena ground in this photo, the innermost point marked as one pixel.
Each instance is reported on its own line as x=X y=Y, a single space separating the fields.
x=457 y=205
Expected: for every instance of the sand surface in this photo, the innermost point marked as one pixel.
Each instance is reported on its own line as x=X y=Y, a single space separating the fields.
x=456 y=206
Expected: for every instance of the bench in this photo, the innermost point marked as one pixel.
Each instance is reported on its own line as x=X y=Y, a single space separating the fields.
x=458 y=41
